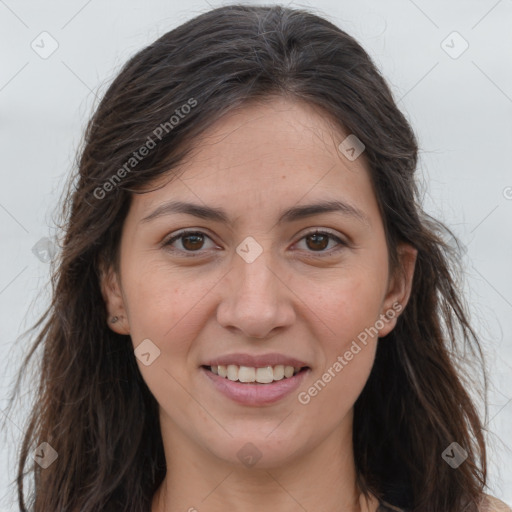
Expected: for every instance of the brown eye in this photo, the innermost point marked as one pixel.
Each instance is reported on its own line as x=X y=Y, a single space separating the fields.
x=191 y=242
x=319 y=241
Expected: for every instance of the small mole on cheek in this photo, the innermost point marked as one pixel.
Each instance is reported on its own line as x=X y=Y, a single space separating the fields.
x=283 y=177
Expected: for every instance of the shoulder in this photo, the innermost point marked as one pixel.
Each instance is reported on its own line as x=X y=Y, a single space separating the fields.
x=492 y=504
x=488 y=504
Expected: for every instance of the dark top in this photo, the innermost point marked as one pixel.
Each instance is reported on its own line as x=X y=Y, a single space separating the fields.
x=386 y=507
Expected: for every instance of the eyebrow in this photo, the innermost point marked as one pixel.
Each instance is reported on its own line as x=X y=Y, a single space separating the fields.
x=292 y=214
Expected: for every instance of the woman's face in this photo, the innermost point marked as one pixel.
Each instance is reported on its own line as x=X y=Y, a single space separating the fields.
x=253 y=287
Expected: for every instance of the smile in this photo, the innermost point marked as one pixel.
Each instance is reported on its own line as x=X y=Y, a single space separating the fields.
x=247 y=374
x=241 y=385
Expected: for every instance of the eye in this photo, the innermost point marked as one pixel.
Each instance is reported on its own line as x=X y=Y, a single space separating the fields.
x=317 y=241
x=191 y=241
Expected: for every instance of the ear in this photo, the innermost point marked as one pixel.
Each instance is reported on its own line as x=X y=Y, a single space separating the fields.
x=113 y=297
x=399 y=288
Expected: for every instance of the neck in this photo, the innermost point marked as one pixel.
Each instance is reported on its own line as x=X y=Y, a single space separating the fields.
x=323 y=479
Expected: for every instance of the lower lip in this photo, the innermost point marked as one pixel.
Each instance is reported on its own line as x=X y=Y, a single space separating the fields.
x=254 y=393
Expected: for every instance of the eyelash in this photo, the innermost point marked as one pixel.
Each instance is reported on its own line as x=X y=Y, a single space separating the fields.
x=194 y=254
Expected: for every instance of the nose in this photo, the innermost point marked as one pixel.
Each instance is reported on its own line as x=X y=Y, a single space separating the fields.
x=255 y=298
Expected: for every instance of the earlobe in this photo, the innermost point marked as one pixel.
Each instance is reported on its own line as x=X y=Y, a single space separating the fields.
x=400 y=287
x=117 y=318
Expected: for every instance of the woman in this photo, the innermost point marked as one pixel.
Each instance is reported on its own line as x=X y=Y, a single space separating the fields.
x=251 y=310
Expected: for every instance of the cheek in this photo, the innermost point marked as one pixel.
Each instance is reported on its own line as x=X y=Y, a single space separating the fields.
x=337 y=385
x=348 y=384
x=348 y=308
x=165 y=306
x=164 y=302
x=346 y=304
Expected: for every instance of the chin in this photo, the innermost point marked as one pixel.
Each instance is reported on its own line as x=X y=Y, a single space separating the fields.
x=257 y=452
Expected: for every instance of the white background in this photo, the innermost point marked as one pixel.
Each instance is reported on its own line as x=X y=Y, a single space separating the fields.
x=460 y=108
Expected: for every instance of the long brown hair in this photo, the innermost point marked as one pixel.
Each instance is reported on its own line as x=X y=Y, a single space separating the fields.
x=92 y=405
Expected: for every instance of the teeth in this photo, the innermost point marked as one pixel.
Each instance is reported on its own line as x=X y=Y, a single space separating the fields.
x=246 y=374
x=264 y=375
x=232 y=372
x=278 y=372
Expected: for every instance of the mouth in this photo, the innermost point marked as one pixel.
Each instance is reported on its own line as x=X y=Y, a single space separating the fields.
x=255 y=386
x=255 y=375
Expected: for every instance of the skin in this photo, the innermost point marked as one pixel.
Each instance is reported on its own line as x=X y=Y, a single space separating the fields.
x=254 y=163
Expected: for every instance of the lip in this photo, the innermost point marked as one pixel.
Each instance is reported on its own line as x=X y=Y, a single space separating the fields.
x=256 y=361
x=254 y=394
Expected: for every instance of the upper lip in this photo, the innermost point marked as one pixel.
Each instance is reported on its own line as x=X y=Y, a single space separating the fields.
x=256 y=361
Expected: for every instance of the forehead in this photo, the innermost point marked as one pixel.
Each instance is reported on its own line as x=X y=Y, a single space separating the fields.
x=266 y=153
x=277 y=131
